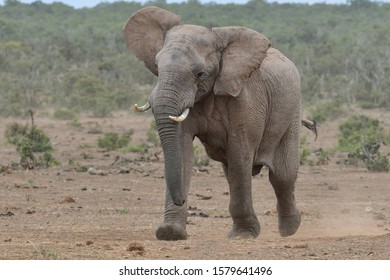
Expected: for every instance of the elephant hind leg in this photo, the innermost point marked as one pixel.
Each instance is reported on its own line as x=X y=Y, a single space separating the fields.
x=288 y=214
x=283 y=177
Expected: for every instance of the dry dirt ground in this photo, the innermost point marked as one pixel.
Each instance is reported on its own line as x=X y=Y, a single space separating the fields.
x=112 y=213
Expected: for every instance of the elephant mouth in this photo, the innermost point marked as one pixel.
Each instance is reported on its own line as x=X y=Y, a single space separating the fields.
x=178 y=119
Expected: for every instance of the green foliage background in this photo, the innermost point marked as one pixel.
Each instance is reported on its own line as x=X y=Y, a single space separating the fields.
x=52 y=55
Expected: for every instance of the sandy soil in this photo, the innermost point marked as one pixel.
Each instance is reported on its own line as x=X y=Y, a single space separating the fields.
x=113 y=211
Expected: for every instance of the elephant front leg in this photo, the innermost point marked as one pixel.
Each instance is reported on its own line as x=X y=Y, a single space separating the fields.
x=245 y=222
x=175 y=217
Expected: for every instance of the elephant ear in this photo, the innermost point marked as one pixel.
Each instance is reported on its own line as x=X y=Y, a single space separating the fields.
x=145 y=32
x=243 y=50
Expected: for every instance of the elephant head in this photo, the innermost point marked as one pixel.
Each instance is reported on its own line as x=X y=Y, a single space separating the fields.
x=191 y=62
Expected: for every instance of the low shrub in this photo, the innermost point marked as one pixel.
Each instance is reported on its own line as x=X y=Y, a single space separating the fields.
x=29 y=142
x=362 y=137
x=65 y=114
x=114 y=141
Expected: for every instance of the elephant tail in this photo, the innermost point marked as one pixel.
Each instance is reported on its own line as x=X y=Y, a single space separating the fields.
x=312 y=125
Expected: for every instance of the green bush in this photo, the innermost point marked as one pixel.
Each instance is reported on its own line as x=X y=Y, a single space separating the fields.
x=39 y=141
x=114 y=141
x=304 y=152
x=137 y=148
x=358 y=130
x=369 y=154
x=65 y=114
x=200 y=156
x=28 y=142
x=362 y=136
x=328 y=110
x=102 y=110
x=15 y=132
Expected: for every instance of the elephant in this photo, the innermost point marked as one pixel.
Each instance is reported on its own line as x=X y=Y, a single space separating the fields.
x=238 y=95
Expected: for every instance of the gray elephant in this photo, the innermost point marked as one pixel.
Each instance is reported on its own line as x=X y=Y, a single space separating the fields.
x=238 y=95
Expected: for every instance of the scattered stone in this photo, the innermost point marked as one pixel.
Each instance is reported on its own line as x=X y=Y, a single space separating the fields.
x=368 y=209
x=203 y=215
x=203 y=197
x=8 y=214
x=268 y=213
x=8 y=239
x=68 y=199
x=29 y=212
x=136 y=247
x=88 y=243
x=95 y=130
x=333 y=187
x=298 y=246
x=93 y=171
x=330 y=186
x=83 y=189
x=379 y=216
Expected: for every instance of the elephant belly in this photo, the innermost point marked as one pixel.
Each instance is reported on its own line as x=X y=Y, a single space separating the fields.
x=215 y=152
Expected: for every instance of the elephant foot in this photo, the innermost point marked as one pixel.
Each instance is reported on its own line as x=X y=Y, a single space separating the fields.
x=171 y=232
x=289 y=224
x=247 y=231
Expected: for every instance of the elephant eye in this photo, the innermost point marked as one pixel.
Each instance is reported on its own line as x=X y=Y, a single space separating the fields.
x=201 y=74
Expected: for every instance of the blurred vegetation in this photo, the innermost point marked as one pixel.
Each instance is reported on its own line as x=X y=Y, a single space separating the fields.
x=357 y=130
x=362 y=137
x=32 y=144
x=114 y=141
x=152 y=134
x=304 y=152
x=52 y=55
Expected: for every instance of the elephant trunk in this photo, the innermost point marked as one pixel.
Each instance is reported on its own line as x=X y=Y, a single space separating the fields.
x=170 y=141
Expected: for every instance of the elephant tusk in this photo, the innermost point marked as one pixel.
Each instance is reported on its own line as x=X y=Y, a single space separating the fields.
x=182 y=117
x=142 y=108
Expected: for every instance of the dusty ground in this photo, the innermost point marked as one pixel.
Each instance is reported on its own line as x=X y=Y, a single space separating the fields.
x=59 y=213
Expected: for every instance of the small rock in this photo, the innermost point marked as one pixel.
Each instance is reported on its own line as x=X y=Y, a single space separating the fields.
x=203 y=215
x=93 y=171
x=8 y=214
x=68 y=199
x=379 y=216
x=368 y=209
x=88 y=243
x=203 y=197
x=333 y=187
x=135 y=247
